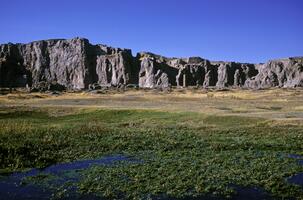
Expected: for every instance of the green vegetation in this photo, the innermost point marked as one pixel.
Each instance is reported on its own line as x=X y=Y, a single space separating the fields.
x=183 y=153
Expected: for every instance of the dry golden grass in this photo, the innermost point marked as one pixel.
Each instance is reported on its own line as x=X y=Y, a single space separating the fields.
x=282 y=104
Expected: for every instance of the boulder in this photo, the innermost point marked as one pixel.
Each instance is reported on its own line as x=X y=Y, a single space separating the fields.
x=44 y=86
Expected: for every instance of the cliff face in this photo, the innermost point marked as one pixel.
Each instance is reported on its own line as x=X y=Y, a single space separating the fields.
x=74 y=64
x=77 y=64
x=281 y=73
x=114 y=66
x=63 y=61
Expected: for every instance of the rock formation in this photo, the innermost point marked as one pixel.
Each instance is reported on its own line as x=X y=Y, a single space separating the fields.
x=155 y=71
x=278 y=73
x=76 y=64
x=114 y=66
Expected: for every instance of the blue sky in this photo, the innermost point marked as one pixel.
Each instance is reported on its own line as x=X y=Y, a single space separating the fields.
x=231 y=30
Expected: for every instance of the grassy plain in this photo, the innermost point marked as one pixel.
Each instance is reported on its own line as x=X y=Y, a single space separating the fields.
x=191 y=142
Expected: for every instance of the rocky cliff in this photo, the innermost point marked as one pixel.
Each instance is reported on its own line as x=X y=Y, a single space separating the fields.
x=77 y=64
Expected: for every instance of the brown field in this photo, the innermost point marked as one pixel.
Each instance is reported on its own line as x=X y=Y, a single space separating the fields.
x=273 y=104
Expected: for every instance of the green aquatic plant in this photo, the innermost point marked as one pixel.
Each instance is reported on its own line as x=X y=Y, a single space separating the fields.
x=182 y=153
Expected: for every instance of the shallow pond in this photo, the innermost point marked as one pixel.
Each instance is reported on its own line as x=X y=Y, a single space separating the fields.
x=15 y=186
x=296 y=179
x=61 y=178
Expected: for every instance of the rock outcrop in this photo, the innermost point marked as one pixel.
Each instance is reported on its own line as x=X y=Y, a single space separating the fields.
x=64 y=62
x=114 y=67
x=12 y=71
x=278 y=73
x=76 y=64
x=155 y=71
x=234 y=74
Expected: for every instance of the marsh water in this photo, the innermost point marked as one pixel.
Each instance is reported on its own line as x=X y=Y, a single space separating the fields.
x=296 y=179
x=16 y=186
